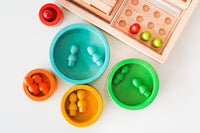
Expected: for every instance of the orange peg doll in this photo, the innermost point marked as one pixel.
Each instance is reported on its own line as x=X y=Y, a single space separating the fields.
x=43 y=87
x=72 y=108
x=28 y=81
x=81 y=102
x=32 y=87
x=37 y=79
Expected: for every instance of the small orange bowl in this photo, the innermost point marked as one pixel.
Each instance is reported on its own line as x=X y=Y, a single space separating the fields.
x=93 y=109
x=48 y=78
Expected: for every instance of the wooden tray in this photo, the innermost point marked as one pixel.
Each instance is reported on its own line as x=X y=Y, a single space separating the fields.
x=171 y=32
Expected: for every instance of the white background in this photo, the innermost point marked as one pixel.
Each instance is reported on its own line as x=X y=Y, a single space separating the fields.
x=24 y=45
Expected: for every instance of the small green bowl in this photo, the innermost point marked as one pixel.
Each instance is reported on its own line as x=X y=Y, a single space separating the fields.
x=124 y=93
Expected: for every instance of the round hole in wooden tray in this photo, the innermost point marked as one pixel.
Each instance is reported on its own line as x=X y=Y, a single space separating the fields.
x=168 y=20
x=135 y=2
x=162 y=31
x=139 y=19
x=156 y=14
x=122 y=23
x=150 y=25
x=128 y=12
x=146 y=8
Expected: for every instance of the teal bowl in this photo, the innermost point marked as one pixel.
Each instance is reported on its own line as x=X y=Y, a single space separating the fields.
x=85 y=69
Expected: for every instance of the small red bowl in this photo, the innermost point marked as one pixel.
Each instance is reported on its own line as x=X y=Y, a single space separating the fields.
x=48 y=78
x=57 y=12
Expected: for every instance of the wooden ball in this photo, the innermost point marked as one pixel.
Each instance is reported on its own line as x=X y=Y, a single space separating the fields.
x=157 y=42
x=135 y=28
x=145 y=36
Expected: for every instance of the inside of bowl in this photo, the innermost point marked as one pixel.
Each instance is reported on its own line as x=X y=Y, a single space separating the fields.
x=91 y=108
x=84 y=66
x=44 y=79
x=125 y=92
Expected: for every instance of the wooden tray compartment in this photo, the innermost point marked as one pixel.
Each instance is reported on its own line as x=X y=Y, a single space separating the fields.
x=151 y=18
x=99 y=13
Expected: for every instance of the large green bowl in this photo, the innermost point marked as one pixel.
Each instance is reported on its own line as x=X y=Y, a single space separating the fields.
x=125 y=94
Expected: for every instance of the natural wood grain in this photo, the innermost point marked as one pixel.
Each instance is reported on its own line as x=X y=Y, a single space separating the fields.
x=96 y=11
x=99 y=5
x=109 y=2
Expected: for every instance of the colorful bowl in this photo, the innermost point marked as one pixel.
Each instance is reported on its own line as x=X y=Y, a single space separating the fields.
x=93 y=109
x=133 y=84
x=55 y=10
x=48 y=78
x=85 y=69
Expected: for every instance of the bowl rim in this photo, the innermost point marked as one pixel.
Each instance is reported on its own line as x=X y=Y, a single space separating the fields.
x=154 y=90
x=52 y=80
x=95 y=117
x=84 y=27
